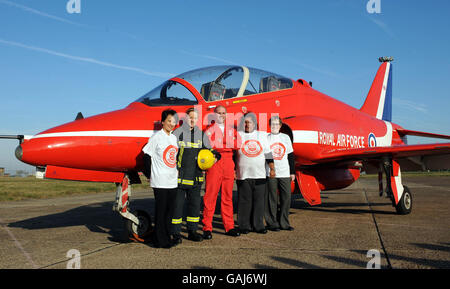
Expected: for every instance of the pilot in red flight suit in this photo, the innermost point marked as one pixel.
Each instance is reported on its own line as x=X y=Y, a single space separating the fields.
x=220 y=177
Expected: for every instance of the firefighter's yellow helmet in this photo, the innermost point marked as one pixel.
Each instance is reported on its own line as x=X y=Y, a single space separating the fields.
x=205 y=159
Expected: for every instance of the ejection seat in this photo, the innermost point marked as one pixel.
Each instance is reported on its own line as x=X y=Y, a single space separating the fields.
x=213 y=91
x=270 y=83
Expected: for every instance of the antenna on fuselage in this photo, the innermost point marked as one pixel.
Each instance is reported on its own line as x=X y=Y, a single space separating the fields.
x=79 y=116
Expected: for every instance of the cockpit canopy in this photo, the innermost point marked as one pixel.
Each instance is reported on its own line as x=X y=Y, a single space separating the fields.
x=216 y=83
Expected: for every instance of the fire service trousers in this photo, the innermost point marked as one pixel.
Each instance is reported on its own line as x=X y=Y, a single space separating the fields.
x=192 y=196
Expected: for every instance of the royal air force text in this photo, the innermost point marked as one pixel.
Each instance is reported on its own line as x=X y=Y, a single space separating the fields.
x=342 y=140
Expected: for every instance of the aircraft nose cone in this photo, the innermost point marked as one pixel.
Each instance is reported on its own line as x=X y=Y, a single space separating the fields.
x=19 y=153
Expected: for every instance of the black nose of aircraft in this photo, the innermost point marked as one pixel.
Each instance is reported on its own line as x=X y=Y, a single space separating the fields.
x=19 y=152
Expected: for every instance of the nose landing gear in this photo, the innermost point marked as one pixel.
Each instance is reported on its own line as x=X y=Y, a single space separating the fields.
x=138 y=224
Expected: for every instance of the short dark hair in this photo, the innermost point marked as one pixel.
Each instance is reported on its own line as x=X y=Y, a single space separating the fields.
x=191 y=109
x=168 y=112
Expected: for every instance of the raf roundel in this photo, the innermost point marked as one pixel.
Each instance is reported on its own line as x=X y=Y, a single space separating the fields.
x=372 y=140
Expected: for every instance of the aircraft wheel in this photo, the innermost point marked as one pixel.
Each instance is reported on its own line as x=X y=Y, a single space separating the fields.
x=141 y=232
x=404 y=206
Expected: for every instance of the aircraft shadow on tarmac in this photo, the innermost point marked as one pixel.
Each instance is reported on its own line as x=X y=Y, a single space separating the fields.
x=98 y=217
x=417 y=261
x=341 y=207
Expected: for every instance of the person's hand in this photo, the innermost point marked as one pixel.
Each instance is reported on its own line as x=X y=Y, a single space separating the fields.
x=272 y=173
x=292 y=178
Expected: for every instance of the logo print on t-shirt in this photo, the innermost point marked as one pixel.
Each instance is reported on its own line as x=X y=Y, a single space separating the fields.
x=252 y=148
x=278 y=150
x=170 y=156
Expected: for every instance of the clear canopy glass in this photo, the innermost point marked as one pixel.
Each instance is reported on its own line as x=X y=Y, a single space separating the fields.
x=216 y=83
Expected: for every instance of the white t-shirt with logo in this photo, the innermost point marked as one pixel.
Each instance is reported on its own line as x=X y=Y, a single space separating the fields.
x=163 y=148
x=280 y=145
x=251 y=155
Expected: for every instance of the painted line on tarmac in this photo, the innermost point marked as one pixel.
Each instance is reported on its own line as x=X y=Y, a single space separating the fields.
x=82 y=255
x=18 y=245
x=378 y=231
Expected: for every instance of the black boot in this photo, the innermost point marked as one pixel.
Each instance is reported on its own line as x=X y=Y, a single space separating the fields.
x=176 y=239
x=207 y=235
x=194 y=236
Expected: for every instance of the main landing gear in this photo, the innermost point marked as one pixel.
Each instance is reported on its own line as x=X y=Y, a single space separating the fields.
x=399 y=194
x=138 y=223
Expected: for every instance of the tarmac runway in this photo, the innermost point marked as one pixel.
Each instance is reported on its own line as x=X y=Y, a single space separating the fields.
x=336 y=234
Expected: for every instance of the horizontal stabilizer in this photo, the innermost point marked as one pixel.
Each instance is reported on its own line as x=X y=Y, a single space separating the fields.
x=410 y=157
x=400 y=151
x=403 y=132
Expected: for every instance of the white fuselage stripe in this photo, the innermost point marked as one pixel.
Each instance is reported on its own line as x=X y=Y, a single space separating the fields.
x=101 y=133
x=300 y=136
x=306 y=136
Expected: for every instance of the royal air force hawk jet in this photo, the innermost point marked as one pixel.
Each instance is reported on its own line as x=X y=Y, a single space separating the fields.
x=333 y=142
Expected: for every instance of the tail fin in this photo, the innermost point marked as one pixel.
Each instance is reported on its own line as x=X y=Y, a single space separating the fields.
x=379 y=100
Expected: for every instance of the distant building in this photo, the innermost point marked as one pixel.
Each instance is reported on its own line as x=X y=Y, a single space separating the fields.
x=2 y=172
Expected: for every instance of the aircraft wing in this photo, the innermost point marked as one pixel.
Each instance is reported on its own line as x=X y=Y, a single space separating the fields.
x=411 y=157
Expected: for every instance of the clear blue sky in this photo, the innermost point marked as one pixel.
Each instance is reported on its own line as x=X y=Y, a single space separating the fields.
x=54 y=64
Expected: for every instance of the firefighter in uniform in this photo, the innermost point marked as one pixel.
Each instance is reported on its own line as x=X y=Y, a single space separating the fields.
x=220 y=177
x=190 y=177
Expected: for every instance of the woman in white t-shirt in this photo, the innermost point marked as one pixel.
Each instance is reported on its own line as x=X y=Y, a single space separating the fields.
x=161 y=162
x=283 y=158
x=251 y=175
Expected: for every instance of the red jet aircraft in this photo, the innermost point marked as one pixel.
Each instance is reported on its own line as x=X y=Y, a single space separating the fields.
x=333 y=142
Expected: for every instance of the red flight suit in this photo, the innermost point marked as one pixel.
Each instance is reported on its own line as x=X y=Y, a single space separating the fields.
x=220 y=176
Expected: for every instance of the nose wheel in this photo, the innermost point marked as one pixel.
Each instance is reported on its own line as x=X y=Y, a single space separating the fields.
x=139 y=232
